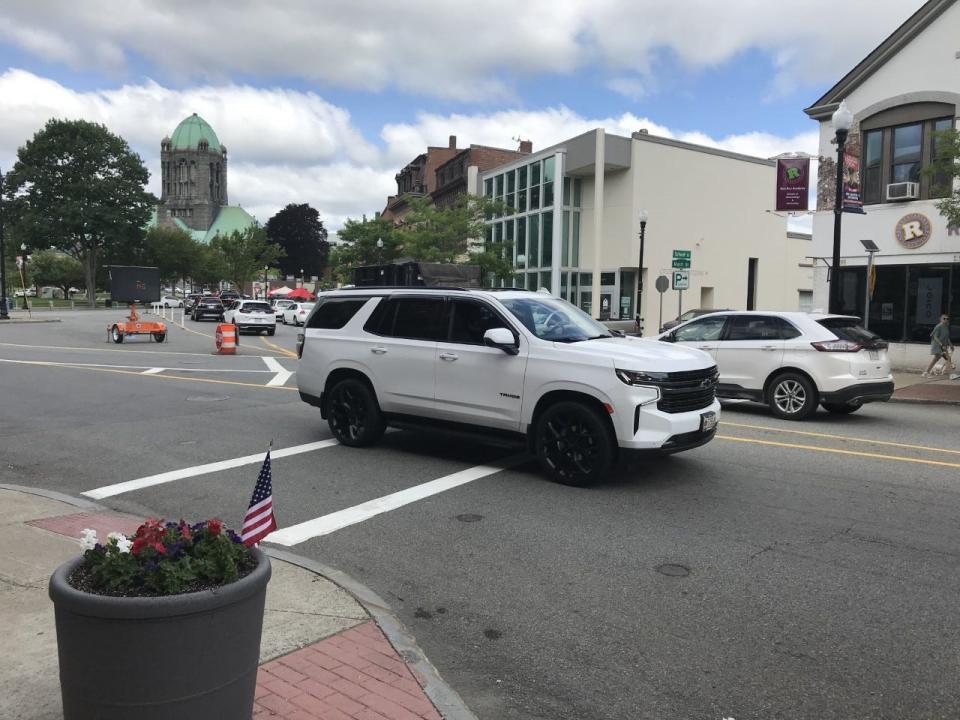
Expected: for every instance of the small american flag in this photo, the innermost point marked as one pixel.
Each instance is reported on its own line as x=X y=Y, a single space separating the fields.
x=260 y=520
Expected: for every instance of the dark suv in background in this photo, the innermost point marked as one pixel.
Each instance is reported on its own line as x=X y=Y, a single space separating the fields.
x=207 y=307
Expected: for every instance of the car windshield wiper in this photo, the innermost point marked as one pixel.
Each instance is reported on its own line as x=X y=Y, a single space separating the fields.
x=579 y=339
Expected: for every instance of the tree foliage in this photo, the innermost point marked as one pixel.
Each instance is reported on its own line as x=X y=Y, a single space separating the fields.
x=77 y=187
x=172 y=250
x=299 y=232
x=49 y=267
x=243 y=255
x=358 y=246
x=944 y=173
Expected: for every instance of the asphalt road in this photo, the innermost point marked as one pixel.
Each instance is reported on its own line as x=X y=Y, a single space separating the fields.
x=783 y=571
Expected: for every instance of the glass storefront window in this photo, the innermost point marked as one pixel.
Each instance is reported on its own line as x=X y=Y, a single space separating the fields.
x=928 y=297
x=521 y=243
x=531 y=281
x=887 y=303
x=533 y=241
x=608 y=279
x=544 y=280
x=547 y=254
x=586 y=279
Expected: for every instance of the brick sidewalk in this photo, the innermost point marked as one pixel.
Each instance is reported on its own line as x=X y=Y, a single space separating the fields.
x=354 y=675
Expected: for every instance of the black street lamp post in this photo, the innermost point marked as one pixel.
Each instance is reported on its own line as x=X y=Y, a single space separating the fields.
x=842 y=122
x=4 y=314
x=23 y=273
x=266 y=285
x=643 y=231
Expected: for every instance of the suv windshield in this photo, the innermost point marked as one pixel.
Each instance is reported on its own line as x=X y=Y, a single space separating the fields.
x=555 y=320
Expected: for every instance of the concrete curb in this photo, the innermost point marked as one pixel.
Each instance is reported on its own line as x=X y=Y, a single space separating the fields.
x=28 y=321
x=444 y=697
x=923 y=401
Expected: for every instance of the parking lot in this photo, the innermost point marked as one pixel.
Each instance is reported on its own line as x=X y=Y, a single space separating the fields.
x=784 y=570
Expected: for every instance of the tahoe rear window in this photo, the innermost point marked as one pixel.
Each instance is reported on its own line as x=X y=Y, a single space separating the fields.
x=334 y=314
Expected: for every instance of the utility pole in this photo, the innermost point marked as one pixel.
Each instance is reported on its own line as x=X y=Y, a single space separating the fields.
x=4 y=315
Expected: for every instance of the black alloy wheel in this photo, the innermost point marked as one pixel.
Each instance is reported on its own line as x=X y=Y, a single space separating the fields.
x=353 y=414
x=573 y=444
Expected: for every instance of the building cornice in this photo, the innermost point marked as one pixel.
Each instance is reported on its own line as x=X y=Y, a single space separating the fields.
x=912 y=27
x=645 y=137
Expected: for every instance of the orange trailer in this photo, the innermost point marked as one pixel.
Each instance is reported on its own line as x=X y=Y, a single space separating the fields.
x=135 y=326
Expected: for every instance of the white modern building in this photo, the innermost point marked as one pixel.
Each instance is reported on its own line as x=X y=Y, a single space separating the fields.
x=901 y=95
x=577 y=227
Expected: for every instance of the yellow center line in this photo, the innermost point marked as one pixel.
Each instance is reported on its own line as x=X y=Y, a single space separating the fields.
x=847 y=438
x=139 y=374
x=837 y=451
x=277 y=348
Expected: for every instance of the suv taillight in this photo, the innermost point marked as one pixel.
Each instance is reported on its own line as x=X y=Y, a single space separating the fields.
x=299 y=345
x=847 y=346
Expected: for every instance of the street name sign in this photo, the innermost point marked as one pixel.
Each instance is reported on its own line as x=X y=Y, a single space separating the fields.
x=681 y=259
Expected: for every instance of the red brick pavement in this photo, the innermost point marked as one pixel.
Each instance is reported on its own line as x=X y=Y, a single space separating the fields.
x=354 y=675
x=103 y=522
x=943 y=392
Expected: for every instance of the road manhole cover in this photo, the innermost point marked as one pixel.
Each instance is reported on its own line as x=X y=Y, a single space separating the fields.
x=672 y=570
x=207 y=398
x=469 y=517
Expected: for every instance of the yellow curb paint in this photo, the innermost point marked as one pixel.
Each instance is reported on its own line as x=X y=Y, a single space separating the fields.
x=837 y=451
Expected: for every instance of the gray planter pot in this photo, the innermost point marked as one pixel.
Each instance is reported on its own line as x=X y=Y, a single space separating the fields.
x=182 y=656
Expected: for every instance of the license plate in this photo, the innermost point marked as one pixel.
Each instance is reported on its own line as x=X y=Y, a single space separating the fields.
x=874 y=354
x=708 y=421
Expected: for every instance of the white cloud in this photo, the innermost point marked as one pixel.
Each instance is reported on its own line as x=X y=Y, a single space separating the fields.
x=287 y=146
x=458 y=50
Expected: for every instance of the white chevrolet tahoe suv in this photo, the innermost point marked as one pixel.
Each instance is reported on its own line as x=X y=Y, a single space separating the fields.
x=512 y=362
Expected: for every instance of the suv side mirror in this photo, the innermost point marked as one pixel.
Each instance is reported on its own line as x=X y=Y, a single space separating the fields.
x=669 y=337
x=503 y=339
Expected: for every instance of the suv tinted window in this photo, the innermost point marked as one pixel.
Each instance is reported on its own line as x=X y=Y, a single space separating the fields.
x=471 y=320
x=849 y=329
x=334 y=314
x=753 y=327
x=787 y=330
x=413 y=317
x=702 y=330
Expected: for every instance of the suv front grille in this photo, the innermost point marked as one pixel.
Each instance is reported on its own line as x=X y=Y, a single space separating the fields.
x=687 y=390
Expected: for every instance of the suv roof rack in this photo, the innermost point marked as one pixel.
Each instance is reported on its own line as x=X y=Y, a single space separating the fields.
x=505 y=289
x=406 y=287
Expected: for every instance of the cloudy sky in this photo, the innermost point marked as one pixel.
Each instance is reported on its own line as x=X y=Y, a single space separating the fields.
x=323 y=102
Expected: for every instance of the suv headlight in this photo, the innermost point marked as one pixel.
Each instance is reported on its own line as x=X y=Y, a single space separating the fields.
x=634 y=377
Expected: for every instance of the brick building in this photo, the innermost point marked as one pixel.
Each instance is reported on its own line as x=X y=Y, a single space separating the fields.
x=453 y=176
x=418 y=178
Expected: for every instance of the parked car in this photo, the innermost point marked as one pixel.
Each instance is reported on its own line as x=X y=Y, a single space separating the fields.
x=279 y=306
x=256 y=315
x=190 y=301
x=689 y=315
x=296 y=313
x=512 y=363
x=171 y=301
x=792 y=361
x=207 y=307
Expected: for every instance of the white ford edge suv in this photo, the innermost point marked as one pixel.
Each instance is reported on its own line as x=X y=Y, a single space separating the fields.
x=519 y=363
x=791 y=360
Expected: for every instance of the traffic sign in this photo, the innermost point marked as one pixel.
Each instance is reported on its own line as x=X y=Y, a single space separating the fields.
x=662 y=284
x=681 y=279
x=681 y=258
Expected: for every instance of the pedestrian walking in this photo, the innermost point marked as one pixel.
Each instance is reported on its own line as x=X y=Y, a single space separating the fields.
x=940 y=345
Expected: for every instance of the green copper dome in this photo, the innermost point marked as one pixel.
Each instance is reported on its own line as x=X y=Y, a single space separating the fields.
x=191 y=131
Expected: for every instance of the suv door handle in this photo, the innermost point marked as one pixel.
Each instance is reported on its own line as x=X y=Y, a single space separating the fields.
x=769 y=348
x=378 y=350
x=704 y=347
x=449 y=357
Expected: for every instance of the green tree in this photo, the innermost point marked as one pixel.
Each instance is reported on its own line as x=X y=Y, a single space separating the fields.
x=49 y=267
x=173 y=251
x=77 y=187
x=243 y=255
x=944 y=172
x=209 y=267
x=299 y=231
x=357 y=246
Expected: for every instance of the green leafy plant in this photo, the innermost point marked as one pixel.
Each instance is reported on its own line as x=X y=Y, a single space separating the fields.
x=162 y=558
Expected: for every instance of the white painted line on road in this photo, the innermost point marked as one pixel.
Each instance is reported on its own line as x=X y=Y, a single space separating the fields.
x=151 y=480
x=150 y=371
x=282 y=374
x=327 y=524
x=86 y=349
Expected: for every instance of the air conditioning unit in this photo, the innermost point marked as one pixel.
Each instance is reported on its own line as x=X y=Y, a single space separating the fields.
x=903 y=191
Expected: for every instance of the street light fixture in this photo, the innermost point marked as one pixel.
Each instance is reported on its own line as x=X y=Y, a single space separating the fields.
x=643 y=230
x=4 y=315
x=842 y=121
x=266 y=283
x=23 y=273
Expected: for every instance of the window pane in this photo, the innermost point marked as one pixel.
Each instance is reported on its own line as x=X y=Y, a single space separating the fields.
x=608 y=278
x=544 y=280
x=488 y=188
x=872 y=166
x=510 y=200
x=511 y=180
x=547 y=240
x=531 y=281
x=535 y=197
x=334 y=314
x=906 y=172
x=499 y=191
x=700 y=330
x=548 y=194
x=522 y=177
x=940 y=182
x=565 y=242
x=534 y=174
x=522 y=201
x=907 y=142
x=508 y=231
x=576 y=192
x=586 y=279
x=521 y=242
x=548 y=169
x=471 y=320
x=575 y=254
x=533 y=242
x=419 y=319
x=753 y=327
x=566 y=191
